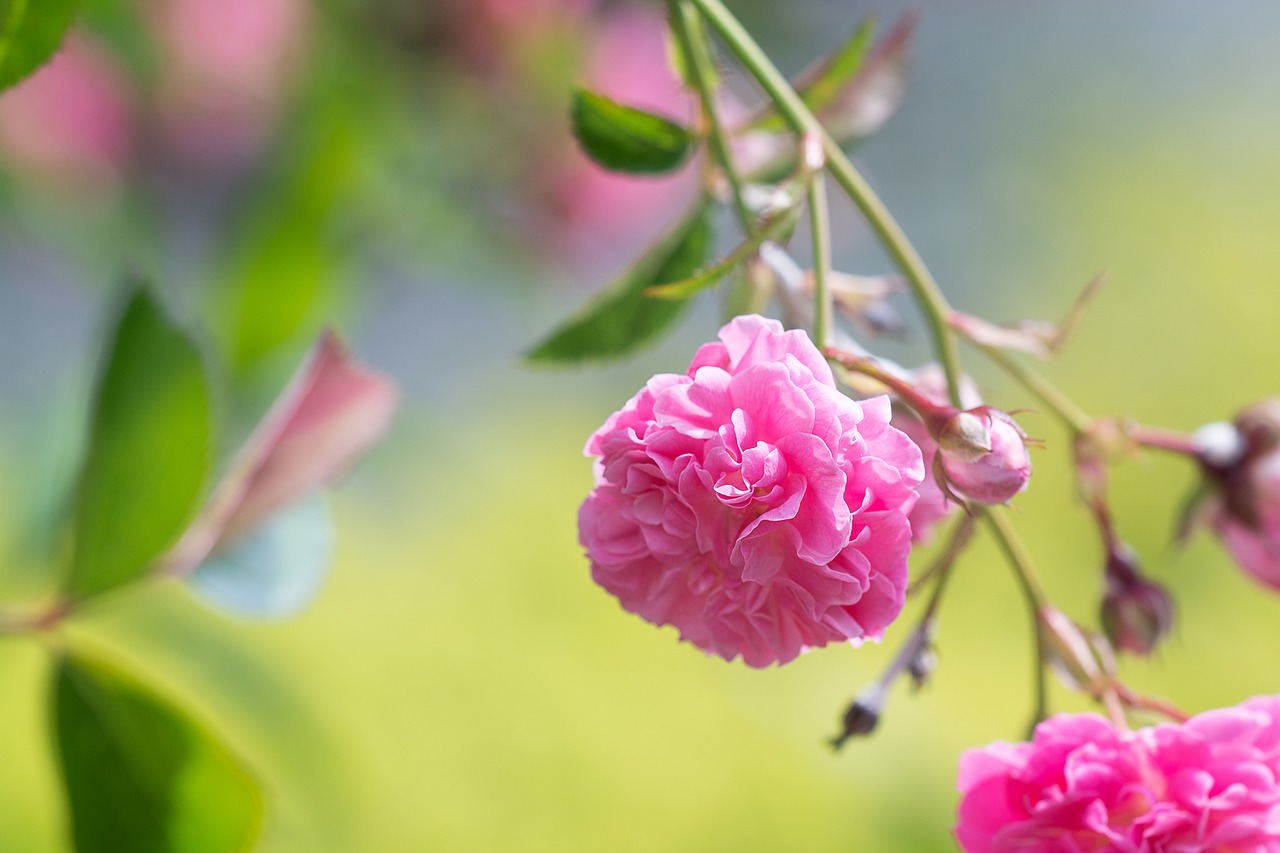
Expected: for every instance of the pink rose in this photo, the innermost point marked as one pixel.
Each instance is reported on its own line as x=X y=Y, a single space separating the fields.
x=70 y=120
x=227 y=67
x=751 y=504
x=1209 y=784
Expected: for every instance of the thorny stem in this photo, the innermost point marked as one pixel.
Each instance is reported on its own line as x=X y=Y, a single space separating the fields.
x=1023 y=569
x=901 y=388
x=1158 y=438
x=687 y=28
x=1156 y=705
x=960 y=536
x=930 y=298
x=1071 y=415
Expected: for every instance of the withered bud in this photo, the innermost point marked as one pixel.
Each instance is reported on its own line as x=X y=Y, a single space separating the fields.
x=1219 y=445
x=1259 y=426
x=1137 y=613
x=922 y=664
x=862 y=715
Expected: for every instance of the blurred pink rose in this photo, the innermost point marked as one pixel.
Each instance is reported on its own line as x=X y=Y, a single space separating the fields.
x=751 y=504
x=227 y=63
x=1210 y=784
x=70 y=120
x=627 y=61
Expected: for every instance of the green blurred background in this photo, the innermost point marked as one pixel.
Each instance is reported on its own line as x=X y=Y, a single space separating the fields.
x=402 y=170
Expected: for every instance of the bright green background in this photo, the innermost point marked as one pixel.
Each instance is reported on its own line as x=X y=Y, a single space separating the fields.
x=461 y=685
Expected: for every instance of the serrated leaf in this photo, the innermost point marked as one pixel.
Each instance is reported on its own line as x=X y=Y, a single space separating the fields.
x=276 y=569
x=622 y=318
x=707 y=276
x=30 y=32
x=148 y=454
x=625 y=139
x=139 y=774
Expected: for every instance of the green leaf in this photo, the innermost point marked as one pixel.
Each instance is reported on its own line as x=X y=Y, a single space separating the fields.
x=276 y=569
x=819 y=84
x=707 y=276
x=140 y=775
x=148 y=454
x=626 y=139
x=30 y=32
x=621 y=318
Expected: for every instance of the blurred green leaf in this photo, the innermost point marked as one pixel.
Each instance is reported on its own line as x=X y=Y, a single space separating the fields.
x=622 y=318
x=148 y=454
x=820 y=83
x=142 y=776
x=626 y=139
x=287 y=255
x=276 y=569
x=30 y=32
x=706 y=276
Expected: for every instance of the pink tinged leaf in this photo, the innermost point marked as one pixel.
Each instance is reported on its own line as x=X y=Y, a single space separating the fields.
x=861 y=108
x=330 y=414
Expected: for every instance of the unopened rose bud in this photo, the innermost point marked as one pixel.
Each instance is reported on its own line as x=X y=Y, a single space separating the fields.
x=984 y=455
x=1246 y=509
x=861 y=716
x=1136 y=613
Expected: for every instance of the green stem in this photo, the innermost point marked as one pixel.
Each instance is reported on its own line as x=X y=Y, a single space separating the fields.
x=820 y=225
x=793 y=108
x=686 y=26
x=941 y=567
x=1029 y=582
x=1058 y=403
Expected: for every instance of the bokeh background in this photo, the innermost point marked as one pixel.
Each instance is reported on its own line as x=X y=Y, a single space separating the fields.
x=401 y=169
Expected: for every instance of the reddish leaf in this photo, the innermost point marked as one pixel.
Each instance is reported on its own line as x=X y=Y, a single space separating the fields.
x=328 y=416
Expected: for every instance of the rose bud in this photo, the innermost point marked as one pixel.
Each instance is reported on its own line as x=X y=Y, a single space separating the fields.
x=1246 y=514
x=1136 y=613
x=984 y=455
x=862 y=715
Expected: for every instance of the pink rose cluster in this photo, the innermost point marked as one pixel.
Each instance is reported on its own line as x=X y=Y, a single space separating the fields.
x=1209 y=784
x=751 y=504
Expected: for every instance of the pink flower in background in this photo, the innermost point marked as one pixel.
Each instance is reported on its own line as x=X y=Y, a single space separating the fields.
x=227 y=66
x=627 y=61
x=752 y=505
x=521 y=14
x=933 y=506
x=1211 y=784
x=70 y=120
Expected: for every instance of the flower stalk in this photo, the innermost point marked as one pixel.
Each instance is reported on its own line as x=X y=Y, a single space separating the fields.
x=690 y=40
x=933 y=304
